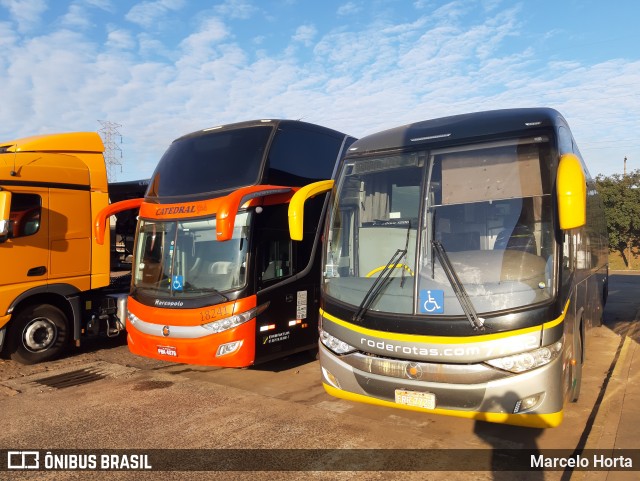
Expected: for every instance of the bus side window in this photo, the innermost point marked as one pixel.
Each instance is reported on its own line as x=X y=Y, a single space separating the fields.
x=276 y=255
x=25 y=215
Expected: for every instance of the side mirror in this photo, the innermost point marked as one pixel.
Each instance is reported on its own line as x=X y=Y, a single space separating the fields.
x=296 y=206
x=5 y=211
x=100 y=225
x=571 y=187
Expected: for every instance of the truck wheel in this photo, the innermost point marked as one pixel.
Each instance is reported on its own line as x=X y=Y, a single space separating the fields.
x=37 y=334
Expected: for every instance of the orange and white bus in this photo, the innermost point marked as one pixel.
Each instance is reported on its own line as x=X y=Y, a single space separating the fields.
x=216 y=277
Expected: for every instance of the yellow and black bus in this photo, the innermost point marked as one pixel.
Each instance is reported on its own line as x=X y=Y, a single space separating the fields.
x=465 y=259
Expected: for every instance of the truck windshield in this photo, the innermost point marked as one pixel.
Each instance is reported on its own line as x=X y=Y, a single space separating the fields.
x=487 y=205
x=184 y=259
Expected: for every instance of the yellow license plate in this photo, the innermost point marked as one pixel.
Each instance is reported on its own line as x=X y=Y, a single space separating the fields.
x=425 y=400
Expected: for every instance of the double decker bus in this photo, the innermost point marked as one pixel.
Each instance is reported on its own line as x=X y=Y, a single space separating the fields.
x=216 y=278
x=465 y=259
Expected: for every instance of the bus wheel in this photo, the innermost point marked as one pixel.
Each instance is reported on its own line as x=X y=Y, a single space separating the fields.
x=37 y=334
x=577 y=368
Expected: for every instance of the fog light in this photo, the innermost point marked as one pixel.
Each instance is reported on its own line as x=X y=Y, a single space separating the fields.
x=228 y=348
x=527 y=403
x=331 y=379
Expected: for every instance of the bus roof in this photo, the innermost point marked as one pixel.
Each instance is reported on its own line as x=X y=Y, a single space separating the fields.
x=464 y=126
x=262 y=122
x=64 y=142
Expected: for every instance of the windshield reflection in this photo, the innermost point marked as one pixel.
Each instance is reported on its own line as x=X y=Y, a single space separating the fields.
x=489 y=207
x=184 y=259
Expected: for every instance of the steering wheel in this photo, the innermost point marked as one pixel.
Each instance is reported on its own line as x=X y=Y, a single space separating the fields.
x=395 y=266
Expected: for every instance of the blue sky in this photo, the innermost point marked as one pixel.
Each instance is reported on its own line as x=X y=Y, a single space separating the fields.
x=163 y=68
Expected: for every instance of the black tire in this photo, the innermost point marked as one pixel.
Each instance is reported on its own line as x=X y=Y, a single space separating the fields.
x=37 y=334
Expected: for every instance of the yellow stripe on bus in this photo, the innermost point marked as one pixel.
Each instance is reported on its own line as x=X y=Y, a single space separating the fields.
x=392 y=336
x=550 y=420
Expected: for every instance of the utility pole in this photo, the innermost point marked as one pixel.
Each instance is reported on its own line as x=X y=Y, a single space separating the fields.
x=109 y=132
x=625 y=166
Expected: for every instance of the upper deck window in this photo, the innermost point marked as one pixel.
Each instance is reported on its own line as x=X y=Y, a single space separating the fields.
x=300 y=155
x=211 y=161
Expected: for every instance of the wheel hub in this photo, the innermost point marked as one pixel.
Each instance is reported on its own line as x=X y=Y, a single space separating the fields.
x=39 y=334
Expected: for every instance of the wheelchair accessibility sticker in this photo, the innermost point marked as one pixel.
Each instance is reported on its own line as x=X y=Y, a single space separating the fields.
x=432 y=301
x=178 y=283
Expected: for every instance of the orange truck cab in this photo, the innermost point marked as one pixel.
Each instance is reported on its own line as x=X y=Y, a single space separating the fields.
x=57 y=285
x=217 y=279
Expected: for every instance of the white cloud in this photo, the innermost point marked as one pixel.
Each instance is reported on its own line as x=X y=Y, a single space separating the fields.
x=26 y=13
x=305 y=34
x=76 y=17
x=120 y=39
x=199 y=47
x=348 y=8
x=105 y=5
x=8 y=37
x=236 y=9
x=147 y=14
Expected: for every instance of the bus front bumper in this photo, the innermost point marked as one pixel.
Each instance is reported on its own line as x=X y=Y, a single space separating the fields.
x=494 y=401
x=232 y=348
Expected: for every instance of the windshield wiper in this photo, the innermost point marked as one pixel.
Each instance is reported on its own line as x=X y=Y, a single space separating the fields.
x=199 y=290
x=458 y=288
x=378 y=284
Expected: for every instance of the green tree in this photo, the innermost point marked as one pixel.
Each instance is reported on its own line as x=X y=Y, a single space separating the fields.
x=621 y=199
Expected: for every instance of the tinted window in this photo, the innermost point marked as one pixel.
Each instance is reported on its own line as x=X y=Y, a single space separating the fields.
x=25 y=214
x=301 y=155
x=210 y=162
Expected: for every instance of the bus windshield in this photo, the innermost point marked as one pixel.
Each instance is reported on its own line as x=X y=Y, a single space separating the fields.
x=184 y=259
x=487 y=205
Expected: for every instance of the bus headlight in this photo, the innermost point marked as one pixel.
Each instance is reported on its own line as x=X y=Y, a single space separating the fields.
x=335 y=344
x=230 y=322
x=527 y=361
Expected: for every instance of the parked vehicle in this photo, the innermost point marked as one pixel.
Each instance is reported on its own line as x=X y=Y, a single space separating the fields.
x=57 y=285
x=465 y=260
x=216 y=278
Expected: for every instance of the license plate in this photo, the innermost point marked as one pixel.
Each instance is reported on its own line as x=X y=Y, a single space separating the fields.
x=425 y=400
x=167 y=351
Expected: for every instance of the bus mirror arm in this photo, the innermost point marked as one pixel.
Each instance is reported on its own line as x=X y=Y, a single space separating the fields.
x=226 y=215
x=112 y=209
x=296 y=206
